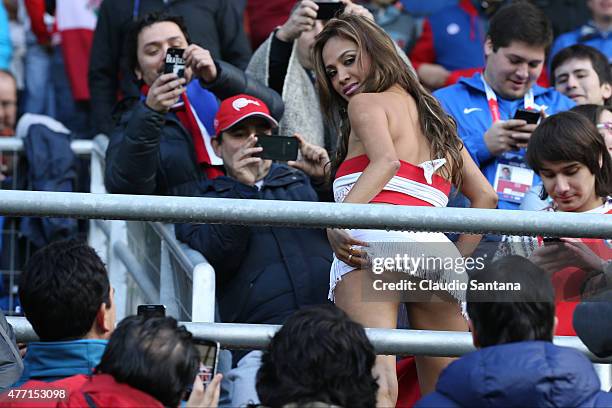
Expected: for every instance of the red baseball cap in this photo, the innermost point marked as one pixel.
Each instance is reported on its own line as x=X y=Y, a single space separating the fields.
x=238 y=108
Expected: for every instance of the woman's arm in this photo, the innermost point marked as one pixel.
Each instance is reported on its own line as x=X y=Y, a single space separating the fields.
x=481 y=195
x=369 y=124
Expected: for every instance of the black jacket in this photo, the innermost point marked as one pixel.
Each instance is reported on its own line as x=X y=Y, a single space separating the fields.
x=151 y=153
x=213 y=24
x=264 y=274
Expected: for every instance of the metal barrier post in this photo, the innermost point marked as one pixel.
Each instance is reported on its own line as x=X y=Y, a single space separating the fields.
x=98 y=231
x=167 y=291
x=203 y=300
x=116 y=268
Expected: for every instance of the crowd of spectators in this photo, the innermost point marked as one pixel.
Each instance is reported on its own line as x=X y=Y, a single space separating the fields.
x=75 y=71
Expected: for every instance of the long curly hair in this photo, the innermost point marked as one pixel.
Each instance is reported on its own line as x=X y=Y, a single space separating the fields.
x=386 y=69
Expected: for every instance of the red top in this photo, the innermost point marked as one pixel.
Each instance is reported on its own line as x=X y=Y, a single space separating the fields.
x=407 y=170
x=569 y=281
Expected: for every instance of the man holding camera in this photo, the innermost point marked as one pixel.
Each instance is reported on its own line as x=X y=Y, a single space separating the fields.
x=264 y=274
x=485 y=105
x=162 y=140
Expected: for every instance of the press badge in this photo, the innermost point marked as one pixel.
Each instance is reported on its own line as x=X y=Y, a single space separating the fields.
x=512 y=179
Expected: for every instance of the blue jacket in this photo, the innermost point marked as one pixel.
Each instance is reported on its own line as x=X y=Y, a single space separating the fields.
x=264 y=274
x=6 y=47
x=55 y=360
x=588 y=34
x=466 y=101
x=524 y=374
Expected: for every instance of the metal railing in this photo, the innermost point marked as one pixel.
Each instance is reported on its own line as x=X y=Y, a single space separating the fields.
x=160 y=271
x=385 y=341
x=146 y=263
x=303 y=214
x=295 y=214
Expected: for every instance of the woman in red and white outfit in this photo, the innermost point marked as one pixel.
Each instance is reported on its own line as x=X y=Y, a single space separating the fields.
x=396 y=146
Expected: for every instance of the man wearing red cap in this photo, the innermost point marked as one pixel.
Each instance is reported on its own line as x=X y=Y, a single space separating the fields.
x=264 y=274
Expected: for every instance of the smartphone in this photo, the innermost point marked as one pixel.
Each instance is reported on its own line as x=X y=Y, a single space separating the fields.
x=174 y=62
x=209 y=357
x=148 y=311
x=329 y=9
x=530 y=116
x=281 y=148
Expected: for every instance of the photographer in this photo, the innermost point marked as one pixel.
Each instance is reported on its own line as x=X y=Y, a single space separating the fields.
x=162 y=140
x=148 y=362
x=264 y=274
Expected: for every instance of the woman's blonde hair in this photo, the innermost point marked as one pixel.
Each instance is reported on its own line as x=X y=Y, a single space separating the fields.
x=386 y=69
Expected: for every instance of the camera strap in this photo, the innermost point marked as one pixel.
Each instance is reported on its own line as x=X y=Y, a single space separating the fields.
x=529 y=100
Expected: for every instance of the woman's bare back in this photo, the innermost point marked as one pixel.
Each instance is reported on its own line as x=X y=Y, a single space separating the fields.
x=403 y=125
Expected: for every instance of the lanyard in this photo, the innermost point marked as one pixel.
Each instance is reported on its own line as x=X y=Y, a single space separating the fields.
x=494 y=106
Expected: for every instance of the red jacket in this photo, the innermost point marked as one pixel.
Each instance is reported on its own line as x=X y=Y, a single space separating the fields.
x=36 y=393
x=103 y=391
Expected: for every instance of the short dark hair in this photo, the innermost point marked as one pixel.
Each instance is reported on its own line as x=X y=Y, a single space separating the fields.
x=570 y=136
x=583 y=52
x=154 y=355
x=591 y=111
x=61 y=289
x=502 y=316
x=144 y=22
x=520 y=21
x=319 y=355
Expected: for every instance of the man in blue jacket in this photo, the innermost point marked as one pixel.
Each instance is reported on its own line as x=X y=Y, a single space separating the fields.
x=263 y=274
x=485 y=104
x=67 y=298
x=596 y=33
x=516 y=364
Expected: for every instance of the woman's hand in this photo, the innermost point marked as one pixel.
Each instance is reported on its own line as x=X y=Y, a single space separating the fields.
x=205 y=397
x=314 y=161
x=347 y=248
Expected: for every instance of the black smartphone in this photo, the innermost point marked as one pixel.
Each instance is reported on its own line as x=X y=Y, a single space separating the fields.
x=148 y=311
x=329 y=9
x=529 y=116
x=174 y=62
x=281 y=148
x=209 y=357
x=551 y=239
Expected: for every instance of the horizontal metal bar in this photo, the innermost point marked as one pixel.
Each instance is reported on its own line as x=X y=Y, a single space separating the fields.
x=15 y=144
x=301 y=214
x=385 y=341
x=151 y=293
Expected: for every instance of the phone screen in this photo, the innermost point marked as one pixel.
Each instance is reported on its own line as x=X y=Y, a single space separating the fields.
x=529 y=116
x=281 y=148
x=209 y=355
x=148 y=311
x=174 y=62
x=329 y=9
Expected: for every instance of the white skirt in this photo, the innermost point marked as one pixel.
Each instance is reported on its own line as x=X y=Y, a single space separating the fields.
x=411 y=245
